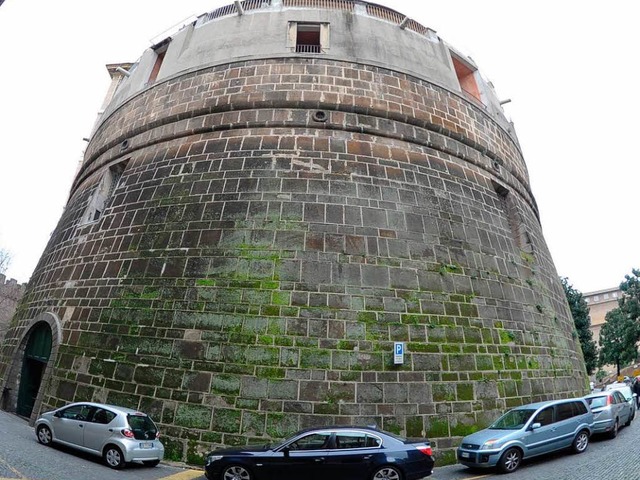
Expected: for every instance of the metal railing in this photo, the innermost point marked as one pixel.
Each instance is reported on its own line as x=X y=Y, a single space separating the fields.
x=327 y=4
x=308 y=48
x=395 y=17
x=384 y=14
x=375 y=11
x=232 y=10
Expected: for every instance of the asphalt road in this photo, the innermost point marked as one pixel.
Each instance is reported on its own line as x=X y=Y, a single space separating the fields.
x=22 y=457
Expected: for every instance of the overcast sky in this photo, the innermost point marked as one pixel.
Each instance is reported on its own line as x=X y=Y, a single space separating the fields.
x=570 y=68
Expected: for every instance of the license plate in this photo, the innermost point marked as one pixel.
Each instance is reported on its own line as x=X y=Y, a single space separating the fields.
x=465 y=454
x=146 y=445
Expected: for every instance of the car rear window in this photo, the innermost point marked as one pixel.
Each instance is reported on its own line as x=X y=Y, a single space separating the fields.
x=142 y=426
x=597 y=402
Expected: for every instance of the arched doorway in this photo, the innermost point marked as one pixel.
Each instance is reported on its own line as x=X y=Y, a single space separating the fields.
x=34 y=363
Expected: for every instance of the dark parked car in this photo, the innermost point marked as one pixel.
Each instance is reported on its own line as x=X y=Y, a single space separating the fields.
x=333 y=453
x=117 y=434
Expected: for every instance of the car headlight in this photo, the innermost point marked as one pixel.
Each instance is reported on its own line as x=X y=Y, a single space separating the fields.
x=213 y=458
x=491 y=443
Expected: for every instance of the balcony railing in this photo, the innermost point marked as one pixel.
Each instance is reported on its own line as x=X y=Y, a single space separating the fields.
x=308 y=49
x=232 y=10
x=372 y=10
x=327 y=4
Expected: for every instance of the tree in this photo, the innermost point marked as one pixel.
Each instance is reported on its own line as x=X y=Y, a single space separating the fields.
x=618 y=339
x=582 y=321
x=629 y=303
x=5 y=260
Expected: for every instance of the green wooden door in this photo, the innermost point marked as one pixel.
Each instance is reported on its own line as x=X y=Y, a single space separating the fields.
x=35 y=360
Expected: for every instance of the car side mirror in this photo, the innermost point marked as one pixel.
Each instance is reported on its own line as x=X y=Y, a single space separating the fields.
x=535 y=425
x=286 y=451
x=57 y=414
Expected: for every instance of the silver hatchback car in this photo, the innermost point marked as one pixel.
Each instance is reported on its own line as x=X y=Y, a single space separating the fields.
x=611 y=410
x=119 y=435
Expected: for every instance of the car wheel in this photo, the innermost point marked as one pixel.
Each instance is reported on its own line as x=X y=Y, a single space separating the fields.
x=45 y=436
x=150 y=463
x=581 y=442
x=236 y=472
x=629 y=420
x=113 y=457
x=614 y=431
x=387 y=473
x=510 y=460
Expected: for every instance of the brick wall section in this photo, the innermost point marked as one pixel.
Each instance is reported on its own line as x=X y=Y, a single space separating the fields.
x=255 y=264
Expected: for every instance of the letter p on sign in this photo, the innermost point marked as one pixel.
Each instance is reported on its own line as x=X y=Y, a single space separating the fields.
x=398 y=353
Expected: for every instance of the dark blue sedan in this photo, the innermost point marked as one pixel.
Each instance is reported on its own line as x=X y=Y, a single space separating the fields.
x=335 y=453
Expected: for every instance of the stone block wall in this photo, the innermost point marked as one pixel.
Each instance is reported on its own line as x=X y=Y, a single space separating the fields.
x=279 y=224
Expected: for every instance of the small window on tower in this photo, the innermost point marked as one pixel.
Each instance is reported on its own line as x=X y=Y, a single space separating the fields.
x=308 y=37
x=104 y=191
x=466 y=74
x=160 y=49
x=156 y=68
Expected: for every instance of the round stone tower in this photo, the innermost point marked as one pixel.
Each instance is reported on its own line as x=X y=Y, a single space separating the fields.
x=290 y=213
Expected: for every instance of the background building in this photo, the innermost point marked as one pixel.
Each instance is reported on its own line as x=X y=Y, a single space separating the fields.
x=601 y=302
x=272 y=198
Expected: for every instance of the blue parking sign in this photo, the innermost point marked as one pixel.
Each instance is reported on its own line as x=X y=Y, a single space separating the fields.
x=398 y=353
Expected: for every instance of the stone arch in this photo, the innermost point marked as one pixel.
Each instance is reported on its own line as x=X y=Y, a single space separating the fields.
x=36 y=372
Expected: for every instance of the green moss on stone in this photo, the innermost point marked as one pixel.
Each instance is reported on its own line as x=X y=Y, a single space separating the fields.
x=423 y=347
x=270 y=372
x=446 y=457
x=225 y=384
x=367 y=317
x=315 y=358
x=468 y=310
x=414 y=426
x=462 y=430
x=194 y=454
x=465 y=391
x=173 y=449
x=260 y=355
x=327 y=408
x=506 y=336
x=444 y=392
x=227 y=420
x=280 y=425
x=484 y=362
x=270 y=310
x=391 y=425
x=281 y=298
x=438 y=427
x=193 y=416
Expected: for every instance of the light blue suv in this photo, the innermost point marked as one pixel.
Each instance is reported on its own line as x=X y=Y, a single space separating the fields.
x=528 y=431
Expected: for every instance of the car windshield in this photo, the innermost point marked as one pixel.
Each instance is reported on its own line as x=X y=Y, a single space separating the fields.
x=512 y=420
